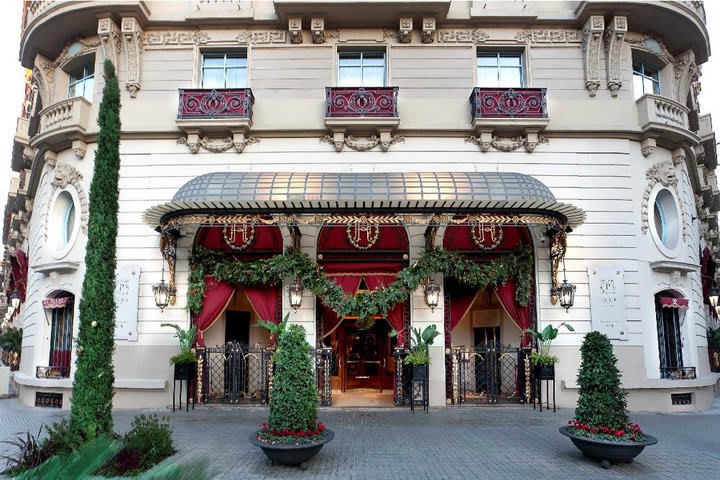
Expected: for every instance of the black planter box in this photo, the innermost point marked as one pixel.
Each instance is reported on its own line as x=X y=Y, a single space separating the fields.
x=292 y=454
x=605 y=451
x=544 y=372
x=185 y=371
x=420 y=373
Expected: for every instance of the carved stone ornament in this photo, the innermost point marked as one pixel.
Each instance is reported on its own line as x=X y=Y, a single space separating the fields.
x=295 y=29
x=663 y=173
x=405 y=31
x=614 y=36
x=109 y=34
x=428 y=30
x=361 y=144
x=648 y=146
x=63 y=176
x=485 y=141
x=86 y=46
x=317 y=29
x=651 y=44
x=43 y=76
x=165 y=38
x=466 y=35
x=132 y=37
x=548 y=36
x=220 y=145
x=591 y=42
x=687 y=76
x=262 y=36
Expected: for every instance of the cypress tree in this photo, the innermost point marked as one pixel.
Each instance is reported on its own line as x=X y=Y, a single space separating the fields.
x=92 y=395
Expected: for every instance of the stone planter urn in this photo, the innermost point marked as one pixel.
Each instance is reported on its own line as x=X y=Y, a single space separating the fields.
x=606 y=451
x=292 y=454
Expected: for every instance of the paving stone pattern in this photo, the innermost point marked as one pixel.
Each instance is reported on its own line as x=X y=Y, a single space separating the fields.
x=455 y=443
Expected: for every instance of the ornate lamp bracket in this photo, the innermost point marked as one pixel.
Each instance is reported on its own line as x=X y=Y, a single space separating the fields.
x=168 y=249
x=558 y=247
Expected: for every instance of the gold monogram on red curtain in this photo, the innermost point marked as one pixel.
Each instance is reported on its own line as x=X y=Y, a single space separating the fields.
x=239 y=236
x=362 y=234
x=487 y=236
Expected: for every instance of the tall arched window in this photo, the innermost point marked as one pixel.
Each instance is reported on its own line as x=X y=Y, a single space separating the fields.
x=61 y=310
x=668 y=306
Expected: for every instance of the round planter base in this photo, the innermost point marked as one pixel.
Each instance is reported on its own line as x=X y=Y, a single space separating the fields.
x=605 y=451
x=291 y=454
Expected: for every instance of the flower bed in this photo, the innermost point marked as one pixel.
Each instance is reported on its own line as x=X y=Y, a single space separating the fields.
x=291 y=437
x=631 y=433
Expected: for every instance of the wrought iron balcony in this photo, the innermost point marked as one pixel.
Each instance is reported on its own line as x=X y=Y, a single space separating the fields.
x=343 y=102
x=678 y=373
x=508 y=103
x=63 y=122
x=215 y=103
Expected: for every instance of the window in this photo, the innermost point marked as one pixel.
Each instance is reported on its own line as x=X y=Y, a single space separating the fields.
x=81 y=81
x=500 y=70
x=61 y=335
x=666 y=219
x=361 y=69
x=646 y=79
x=669 y=337
x=224 y=70
x=63 y=222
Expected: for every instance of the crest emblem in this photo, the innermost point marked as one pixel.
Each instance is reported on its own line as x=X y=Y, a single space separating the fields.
x=487 y=236
x=362 y=235
x=239 y=236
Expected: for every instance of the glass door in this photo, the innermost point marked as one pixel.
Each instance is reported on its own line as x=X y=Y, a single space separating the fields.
x=363 y=358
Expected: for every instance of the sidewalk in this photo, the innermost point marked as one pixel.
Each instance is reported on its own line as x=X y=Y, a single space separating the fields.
x=467 y=442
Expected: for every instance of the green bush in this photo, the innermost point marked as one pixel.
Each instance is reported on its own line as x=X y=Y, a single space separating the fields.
x=61 y=440
x=294 y=400
x=601 y=399
x=152 y=438
x=11 y=339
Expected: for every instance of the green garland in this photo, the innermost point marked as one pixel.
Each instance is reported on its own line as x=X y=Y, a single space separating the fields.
x=293 y=263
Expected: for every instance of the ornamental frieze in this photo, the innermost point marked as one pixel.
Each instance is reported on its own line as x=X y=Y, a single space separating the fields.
x=362 y=144
x=467 y=35
x=218 y=145
x=548 y=36
x=502 y=144
x=262 y=36
x=155 y=38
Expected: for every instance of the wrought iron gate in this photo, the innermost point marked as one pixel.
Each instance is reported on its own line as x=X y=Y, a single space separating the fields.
x=238 y=374
x=489 y=373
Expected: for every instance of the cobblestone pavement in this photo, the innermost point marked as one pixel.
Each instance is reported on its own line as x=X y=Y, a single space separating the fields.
x=467 y=442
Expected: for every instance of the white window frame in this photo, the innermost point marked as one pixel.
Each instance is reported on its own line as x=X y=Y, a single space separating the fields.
x=82 y=80
x=225 y=54
x=499 y=52
x=362 y=51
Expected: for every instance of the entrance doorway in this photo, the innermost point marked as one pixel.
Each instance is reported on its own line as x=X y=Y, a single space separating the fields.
x=365 y=357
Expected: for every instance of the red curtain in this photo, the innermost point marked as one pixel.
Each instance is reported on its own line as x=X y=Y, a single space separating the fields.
x=521 y=315
x=395 y=314
x=349 y=284
x=265 y=300
x=461 y=298
x=217 y=296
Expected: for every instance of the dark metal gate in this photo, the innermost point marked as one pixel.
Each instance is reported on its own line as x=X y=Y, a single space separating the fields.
x=490 y=373
x=238 y=374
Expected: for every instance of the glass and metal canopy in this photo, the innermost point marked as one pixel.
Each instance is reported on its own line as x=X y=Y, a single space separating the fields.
x=393 y=198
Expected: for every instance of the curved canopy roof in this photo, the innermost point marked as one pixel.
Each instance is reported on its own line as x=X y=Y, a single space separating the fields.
x=399 y=192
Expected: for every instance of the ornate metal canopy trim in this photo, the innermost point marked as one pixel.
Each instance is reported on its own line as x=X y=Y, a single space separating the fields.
x=392 y=198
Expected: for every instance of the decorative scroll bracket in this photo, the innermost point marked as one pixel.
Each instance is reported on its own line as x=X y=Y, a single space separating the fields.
x=109 y=34
x=614 y=36
x=485 y=139
x=132 y=35
x=591 y=42
x=361 y=144
x=168 y=249
x=558 y=247
x=238 y=139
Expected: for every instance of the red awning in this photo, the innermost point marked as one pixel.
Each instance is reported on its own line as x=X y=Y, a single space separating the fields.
x=671 y=302
x=55 y=302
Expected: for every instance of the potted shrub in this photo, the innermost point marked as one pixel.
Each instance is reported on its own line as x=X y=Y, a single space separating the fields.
x=292 y=434
x=543 y=362
x=601 y=428
x=713 y=339
x=185 y=361
x=418 y=356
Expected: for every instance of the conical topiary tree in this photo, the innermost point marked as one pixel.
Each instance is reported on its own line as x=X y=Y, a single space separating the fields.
x=92 y=395
x=601 y=399
x=293 y=405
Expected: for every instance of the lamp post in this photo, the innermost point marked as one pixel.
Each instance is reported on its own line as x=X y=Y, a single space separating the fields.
x=295 y=293
x=15 y=299
x=432 y=294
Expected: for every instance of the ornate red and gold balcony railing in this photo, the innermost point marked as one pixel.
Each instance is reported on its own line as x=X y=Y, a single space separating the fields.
x=508 y=103
x=361 y=102
x=215 y=103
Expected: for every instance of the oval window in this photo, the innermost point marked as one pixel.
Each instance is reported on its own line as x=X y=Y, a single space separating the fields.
x=667 y=219
x=63 y=223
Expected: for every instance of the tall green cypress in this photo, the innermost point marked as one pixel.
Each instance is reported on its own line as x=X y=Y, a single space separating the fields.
x=92 y=395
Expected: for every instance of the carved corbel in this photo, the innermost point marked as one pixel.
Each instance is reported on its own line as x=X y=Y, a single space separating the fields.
x=168 y=249
x=614 y=36
x=43 y=75
x=29 y=203
x=483 y=140
x=591 y=42
x=295 y=29
x=647 y=146
x=109 y=34
x=79 y=148
x=50 y=158
x=192 y=141
x=532 y=140
x=317 y=29
x=687 y=74
x=678 y=156
x=428 y=30
x=132 y=37
x=240 y=140
x=405 y=32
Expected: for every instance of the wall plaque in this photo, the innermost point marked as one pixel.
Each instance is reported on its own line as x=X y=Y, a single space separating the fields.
x=607 y=301
x=127 y=287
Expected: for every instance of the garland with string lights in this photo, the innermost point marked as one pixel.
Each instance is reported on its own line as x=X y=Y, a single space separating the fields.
x=293 y=263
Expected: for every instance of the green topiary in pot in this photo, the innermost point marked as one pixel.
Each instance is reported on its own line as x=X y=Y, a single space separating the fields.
x=601 y=407
x=293 y=404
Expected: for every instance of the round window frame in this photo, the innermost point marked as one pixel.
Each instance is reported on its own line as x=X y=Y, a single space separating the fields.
x=56 y=222
x=664 y=249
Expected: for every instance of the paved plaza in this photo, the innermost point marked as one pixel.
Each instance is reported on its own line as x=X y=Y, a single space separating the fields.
x=467 y=442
